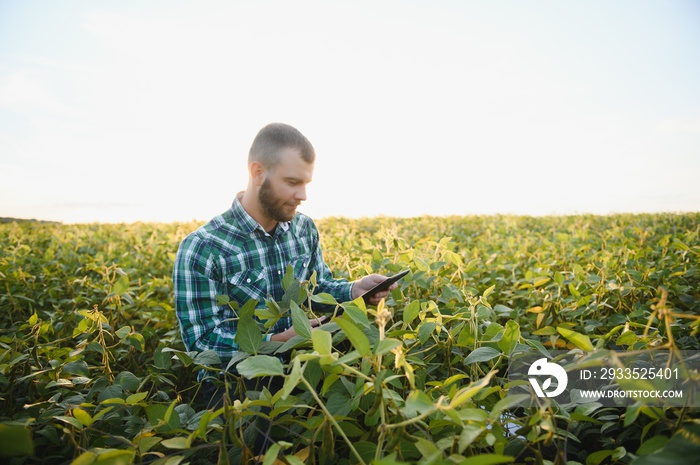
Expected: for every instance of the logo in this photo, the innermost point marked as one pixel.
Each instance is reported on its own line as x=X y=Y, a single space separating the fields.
x=544 y=368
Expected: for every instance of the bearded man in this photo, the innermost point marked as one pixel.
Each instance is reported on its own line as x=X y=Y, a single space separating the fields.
x=245 y=251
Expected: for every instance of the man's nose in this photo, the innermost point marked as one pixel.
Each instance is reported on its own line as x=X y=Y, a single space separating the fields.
x=301 y=193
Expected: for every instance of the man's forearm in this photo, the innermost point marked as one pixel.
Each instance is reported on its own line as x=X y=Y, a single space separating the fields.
x=341 y=290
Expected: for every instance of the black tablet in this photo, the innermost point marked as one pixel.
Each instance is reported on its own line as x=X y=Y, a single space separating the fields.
x=384 y=284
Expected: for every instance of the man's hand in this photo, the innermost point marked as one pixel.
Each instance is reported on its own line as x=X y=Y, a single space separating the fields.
x=367 y=283
x=287 y=334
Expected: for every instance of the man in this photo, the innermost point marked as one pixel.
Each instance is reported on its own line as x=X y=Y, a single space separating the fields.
x=245 y=251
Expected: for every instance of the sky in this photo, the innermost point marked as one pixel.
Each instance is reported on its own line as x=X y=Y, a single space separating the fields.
x=145 y=110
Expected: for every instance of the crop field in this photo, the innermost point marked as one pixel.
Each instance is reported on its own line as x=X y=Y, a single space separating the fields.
x=93 y=370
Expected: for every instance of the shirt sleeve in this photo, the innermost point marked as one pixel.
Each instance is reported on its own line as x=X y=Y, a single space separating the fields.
x=340 y=289
x=203 y=324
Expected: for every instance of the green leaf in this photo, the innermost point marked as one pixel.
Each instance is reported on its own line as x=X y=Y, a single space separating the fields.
x=506 y=403
x=682 y=446
x=288 y=278
x=175 y=443
x=248 y=309
x=207 y=358
x=161 y=418
x=69 y=420
x=136 y=340
x=114 y=391
x=61 y=383
x=595 y=458
x=82 y=416
x=161 y=359
x=271 y=455
x=558 y=278
x=101 y=413
x=293 y=460
x=270 y=314
x=411 y=311
x=418 y=402
x=324 y=298
x=627 y=338
x=86 y=458
x=631 y=414
x=15 y=440
x=470 y=391
x=482 y=354
x=652 y=445
x=121 y=286
x=427 y=448
x=292 y=379
x=294 y=342
x=338 y=404
x=579 y=340
x=386 y=345
x=322 y=342
x=116 y=457
x=510 y=337
x=574 y=292
x=260 y=365
x=468 y=435
x=425 y=330
x=366 y=449
x=82 y=328
x=291 y=294
x=248 y=334
x=147 y=443
x=184 y=357
x=127 y=380
x=358 y=313
x=79 y=367
x=136 y=398
x=300 y=321
x=355 y=335
x=113 y=400
x=123 y=332
x=487 y=459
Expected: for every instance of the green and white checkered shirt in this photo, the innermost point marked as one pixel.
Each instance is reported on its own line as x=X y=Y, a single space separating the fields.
x=233 y=255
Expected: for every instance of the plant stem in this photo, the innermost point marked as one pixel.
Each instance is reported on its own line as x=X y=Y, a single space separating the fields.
x=356 y=372
x=332 y=419
x=412 y=420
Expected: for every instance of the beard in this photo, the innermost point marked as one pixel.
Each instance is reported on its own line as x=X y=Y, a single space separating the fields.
x=273 y=206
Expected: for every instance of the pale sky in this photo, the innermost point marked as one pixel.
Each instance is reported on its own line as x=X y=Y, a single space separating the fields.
x=121 y=111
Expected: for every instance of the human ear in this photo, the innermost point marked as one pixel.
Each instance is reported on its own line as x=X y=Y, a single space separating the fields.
x=257 y=173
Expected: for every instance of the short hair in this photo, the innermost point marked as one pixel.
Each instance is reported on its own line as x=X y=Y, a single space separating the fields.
x=271 y=140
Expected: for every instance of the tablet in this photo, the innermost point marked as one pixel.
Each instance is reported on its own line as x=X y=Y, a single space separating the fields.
x=384 y=284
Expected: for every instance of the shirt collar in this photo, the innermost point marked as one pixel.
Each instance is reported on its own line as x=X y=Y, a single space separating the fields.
x=247 y=223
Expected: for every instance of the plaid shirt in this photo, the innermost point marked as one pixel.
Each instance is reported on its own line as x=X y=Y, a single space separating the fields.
x=233 y=255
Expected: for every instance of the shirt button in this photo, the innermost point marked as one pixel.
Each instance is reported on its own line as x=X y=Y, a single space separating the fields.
x=279 y=271
x=247 y=280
